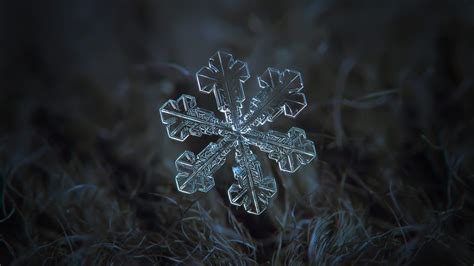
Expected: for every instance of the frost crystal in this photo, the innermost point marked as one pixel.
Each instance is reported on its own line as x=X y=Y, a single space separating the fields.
x=280 y=93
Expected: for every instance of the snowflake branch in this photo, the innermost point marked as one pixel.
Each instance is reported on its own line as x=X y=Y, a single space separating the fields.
x=195 y=172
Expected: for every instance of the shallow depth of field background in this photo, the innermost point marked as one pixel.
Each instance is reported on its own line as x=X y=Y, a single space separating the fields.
x=87 y=170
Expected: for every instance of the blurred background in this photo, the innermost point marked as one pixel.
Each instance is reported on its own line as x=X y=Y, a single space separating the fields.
x=87 y=170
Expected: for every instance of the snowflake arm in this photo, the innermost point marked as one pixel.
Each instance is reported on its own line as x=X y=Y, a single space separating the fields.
x=195 y=172
x=290 y=151
x=252 y=190
x=280 y=93
x=224 y=76
x=182 y=118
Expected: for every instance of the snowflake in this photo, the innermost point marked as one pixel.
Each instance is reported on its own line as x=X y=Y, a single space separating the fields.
x=280 y=93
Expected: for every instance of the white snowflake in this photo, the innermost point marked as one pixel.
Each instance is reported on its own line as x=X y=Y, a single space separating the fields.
x=280 y=93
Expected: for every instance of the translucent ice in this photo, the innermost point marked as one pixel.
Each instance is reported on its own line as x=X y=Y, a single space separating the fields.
x=280 y=93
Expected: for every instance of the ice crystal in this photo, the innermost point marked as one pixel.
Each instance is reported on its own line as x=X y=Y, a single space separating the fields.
x=280 y=93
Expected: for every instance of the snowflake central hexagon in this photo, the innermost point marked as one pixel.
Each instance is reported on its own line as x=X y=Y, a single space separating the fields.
x=280 y=93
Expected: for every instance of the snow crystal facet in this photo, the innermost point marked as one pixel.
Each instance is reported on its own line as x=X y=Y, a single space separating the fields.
x=280 y=93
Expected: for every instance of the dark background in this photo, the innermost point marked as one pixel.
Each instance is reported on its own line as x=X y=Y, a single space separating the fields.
x=87 y=169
